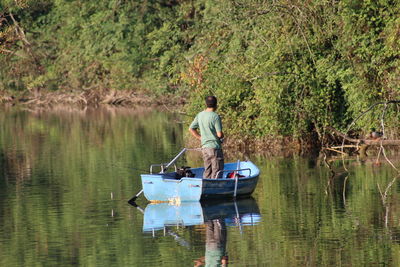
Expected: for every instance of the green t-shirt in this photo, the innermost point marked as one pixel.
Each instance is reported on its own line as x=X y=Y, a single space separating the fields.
x=209 y=124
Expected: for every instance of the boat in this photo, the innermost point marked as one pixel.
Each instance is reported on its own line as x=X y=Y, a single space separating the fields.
x=241 y=212
x=238 y=179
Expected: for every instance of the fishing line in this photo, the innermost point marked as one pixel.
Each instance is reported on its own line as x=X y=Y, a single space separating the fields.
x=144 y=171
x=137 y=169
x=147 y=172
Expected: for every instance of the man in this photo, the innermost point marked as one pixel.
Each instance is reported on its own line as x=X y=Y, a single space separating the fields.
x=210 y=126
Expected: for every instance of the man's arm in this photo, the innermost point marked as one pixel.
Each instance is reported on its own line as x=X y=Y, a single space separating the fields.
x=195 y=133
x=218 y=127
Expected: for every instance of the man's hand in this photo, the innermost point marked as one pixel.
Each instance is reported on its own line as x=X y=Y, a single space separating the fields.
x=195 y=133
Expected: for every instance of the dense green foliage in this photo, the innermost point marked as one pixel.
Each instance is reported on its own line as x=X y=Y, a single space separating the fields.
x=280 y=68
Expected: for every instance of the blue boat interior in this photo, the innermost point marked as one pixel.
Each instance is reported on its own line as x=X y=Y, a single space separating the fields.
x=243 y=168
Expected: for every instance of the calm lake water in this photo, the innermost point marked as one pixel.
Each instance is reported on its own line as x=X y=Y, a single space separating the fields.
x=66 y=176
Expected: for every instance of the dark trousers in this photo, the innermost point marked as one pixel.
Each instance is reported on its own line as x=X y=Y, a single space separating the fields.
x=213 y=162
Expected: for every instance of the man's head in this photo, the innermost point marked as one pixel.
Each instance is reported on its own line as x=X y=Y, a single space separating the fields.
x=211 y=102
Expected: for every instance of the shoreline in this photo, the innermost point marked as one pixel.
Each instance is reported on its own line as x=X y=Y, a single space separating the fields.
x=88 y=98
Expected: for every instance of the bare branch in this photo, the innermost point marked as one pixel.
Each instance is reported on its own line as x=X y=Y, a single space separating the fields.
x=370 y=142
x=16 y=53
x=20 y=32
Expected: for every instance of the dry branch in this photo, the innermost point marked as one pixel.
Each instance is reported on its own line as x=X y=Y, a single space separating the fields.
x=369 y=142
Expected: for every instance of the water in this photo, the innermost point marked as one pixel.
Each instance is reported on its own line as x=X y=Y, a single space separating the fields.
x=66 y=176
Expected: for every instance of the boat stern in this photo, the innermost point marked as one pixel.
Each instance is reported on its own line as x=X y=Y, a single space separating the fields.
x=162 y=187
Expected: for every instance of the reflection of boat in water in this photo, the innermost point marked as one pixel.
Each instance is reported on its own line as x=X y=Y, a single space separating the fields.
x=214 y=215
x=241 y=212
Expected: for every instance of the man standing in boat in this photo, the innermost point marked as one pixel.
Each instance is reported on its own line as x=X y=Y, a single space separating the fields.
x=211 y=135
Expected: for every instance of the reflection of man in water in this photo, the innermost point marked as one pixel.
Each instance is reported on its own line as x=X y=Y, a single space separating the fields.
x=215 y=245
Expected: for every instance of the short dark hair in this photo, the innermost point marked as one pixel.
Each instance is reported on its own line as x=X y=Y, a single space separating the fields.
x=211 y=101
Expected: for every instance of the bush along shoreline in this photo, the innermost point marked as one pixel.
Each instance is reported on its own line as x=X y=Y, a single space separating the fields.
x=284 y=70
